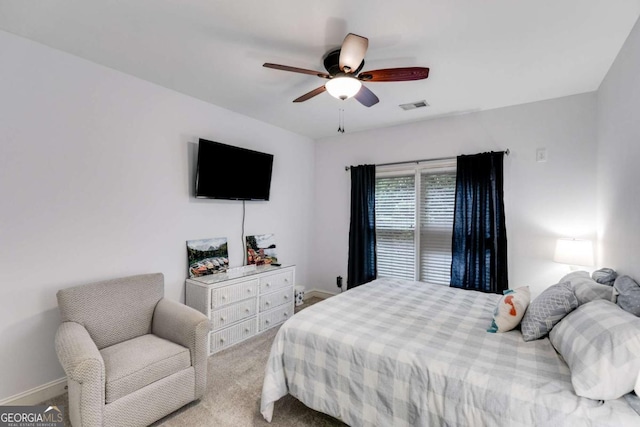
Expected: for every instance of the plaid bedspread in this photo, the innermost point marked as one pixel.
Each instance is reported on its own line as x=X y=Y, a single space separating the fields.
x=398 y=353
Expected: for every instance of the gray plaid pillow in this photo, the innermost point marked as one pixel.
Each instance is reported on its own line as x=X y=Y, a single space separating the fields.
x=547 y=309
x=601 y=344
x=628 y=294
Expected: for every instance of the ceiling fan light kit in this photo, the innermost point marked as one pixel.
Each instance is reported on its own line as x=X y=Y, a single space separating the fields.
x=343 y=87
x=344 y=64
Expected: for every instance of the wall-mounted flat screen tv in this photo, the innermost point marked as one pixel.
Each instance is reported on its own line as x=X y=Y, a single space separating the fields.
x=232 y=173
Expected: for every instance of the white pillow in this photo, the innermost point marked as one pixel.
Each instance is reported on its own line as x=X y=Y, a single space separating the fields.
x=510 y=309
x=601 y=344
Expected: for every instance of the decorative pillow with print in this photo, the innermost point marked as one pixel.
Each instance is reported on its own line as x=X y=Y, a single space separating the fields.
x=547 y=309
x=510 y=309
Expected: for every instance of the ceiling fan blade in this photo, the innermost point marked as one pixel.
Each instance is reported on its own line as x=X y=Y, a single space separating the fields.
x=309 y=95
x=366 y=97
x=395 y=74
x=296 y=70
x=352 y=52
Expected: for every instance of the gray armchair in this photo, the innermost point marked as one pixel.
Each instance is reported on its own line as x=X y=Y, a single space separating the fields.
x=130 y=355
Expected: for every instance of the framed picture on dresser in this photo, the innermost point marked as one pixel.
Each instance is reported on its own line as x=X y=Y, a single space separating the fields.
x=261 y=249
x=207 y=256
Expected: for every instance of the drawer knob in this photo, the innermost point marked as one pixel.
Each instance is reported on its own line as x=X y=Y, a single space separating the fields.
x=286 y=280
x=268 y=284
x=266 y=321
x=285 y=314
x=222 y=319
x=246 y=330
x=247 y=310
x=221 y=339
x=267 y=303
x=248 y=291
x=223 y=297
x=286 y=297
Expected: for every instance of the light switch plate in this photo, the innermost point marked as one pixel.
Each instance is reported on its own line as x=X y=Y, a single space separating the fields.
x=541 y=155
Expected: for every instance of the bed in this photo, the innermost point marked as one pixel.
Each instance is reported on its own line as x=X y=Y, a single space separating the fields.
x=401 y=353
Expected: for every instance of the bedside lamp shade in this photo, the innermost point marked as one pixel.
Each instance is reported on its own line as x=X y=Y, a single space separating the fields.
x=574 y=252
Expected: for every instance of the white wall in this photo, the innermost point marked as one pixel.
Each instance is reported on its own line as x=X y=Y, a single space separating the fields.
x=543 y=201
x=96 y=171
x=618 y=115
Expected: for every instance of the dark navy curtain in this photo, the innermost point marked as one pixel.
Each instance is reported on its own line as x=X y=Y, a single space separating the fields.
x=362 y=230
x=479 y=244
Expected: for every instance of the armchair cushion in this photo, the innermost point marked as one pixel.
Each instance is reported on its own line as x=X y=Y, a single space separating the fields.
x=136 y=363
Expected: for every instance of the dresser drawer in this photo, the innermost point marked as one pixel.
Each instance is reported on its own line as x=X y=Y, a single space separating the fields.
x=274 y=299
x=276 y=281
x=232 y=293
x=231 y=335
x=231 y=314
x=275 y=317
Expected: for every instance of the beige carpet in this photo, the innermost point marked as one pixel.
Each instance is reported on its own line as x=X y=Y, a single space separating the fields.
x=233 y=393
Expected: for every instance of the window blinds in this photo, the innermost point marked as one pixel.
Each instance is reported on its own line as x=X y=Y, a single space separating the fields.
x=437 y=200
x=400 y=252
x=395 y=226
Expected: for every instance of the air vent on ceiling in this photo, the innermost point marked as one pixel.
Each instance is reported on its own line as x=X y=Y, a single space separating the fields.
x=414 y=105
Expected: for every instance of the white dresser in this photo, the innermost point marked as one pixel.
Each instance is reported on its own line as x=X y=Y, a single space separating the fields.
x=242 y=302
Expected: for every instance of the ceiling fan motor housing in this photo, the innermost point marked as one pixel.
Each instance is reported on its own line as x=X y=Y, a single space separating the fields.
x=332 y=63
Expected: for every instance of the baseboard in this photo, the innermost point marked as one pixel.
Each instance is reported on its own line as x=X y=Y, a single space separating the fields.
x=37 y=394
x=319 y=294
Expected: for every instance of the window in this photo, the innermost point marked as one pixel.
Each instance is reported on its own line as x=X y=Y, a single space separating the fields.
x=413 y=199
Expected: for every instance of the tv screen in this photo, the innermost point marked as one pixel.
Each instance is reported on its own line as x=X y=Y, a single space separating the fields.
x=233 y=173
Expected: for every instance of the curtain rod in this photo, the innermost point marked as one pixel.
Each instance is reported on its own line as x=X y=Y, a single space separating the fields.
x=346 y=168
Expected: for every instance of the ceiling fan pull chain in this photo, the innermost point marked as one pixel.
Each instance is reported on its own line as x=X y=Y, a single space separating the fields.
x=340 y=120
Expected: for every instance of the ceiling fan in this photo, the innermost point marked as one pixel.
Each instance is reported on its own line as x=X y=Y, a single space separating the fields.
x=343 y=66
